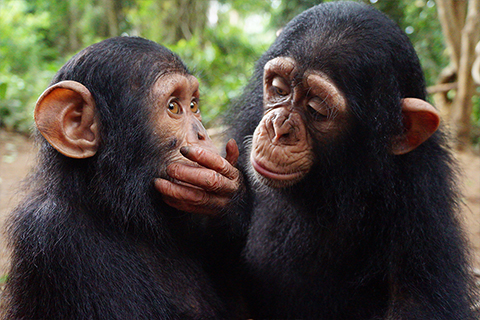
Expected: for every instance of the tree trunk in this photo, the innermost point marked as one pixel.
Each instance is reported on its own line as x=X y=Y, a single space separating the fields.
x=462 y=106
x=460 y=22
x=73 y=13
x=194 y=18
x=451 y=14
x=452 y=18
x=112 y=19
x=476 y=65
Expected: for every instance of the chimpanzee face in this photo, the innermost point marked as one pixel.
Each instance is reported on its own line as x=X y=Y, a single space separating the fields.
x=176 y=114
x=298 y=110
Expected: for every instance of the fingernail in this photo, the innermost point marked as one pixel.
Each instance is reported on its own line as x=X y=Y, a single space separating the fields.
x=184 y=150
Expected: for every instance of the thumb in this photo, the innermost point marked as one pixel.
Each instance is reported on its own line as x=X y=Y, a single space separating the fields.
x=232 y=152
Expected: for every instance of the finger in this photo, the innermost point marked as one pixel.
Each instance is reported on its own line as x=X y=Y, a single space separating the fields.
x=180 y=192
x=232 y=152
x=190 y=199
x=210 y=160
x=203 y=178
x=192 y=208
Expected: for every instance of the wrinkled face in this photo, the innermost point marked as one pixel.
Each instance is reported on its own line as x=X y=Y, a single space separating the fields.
x=177 y=115
x=299 y=110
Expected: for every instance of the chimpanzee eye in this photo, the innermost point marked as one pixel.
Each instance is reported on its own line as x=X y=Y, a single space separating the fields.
x=174 y=107
x=194 y=107
x=280 y=87
x=315 y=114
x=317 y=109
x=280 y=91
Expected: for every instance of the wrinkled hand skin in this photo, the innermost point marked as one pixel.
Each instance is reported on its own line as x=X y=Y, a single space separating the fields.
x=205 y=190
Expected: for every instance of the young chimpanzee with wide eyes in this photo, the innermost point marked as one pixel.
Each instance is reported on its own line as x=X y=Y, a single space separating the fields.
x=355 y=204
x=92 y=239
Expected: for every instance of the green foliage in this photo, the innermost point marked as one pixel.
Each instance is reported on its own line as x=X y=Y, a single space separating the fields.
x=426 y=34
x=476 y=120
x=38 y=36
x=26 y=60
x=223 y=63
x=285 y=10
x=394 y=9
x=246 y=7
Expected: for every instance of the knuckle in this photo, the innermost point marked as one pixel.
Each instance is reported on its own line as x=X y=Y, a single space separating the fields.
x=229 y=170
x=235 y=174
x=201 y=153
x=201 y=199
x=225 y=167
x=213 y=181
x=172 y=170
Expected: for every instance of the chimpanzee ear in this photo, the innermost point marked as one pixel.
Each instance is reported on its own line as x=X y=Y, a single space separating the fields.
x=420 y=120
x=65 y=116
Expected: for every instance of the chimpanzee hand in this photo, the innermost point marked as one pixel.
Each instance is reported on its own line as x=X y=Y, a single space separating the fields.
x=208 y=189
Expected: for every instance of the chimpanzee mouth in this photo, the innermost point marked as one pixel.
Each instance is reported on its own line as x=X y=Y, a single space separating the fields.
x=287 y=176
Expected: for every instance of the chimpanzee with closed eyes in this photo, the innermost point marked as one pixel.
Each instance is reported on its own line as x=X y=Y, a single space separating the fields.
x=355 y=211
x=92 y=239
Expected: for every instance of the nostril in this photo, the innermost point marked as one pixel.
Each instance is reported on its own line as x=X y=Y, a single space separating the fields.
x=285 y=134
x=283 y=137
x=282 y=133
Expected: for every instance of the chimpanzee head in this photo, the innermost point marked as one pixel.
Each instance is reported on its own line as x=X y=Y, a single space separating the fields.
x=338 y=74
x=115 y=116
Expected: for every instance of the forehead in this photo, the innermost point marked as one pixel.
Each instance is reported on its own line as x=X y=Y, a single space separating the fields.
x=288 y=67
x=175 y=80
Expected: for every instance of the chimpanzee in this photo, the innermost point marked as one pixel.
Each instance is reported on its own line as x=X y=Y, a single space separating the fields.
x=92 y=239
x=355 y=204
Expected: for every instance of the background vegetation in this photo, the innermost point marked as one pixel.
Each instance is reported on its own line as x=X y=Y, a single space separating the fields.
x=219 y=39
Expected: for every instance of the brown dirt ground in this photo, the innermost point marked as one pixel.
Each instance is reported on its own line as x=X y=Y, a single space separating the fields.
x=17 y=155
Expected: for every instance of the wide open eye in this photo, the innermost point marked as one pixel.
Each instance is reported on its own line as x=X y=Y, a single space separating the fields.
x=174 y=107
x=280 y=87
x=194 y=107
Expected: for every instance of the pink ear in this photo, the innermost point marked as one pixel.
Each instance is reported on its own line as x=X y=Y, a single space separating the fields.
x=65 y=116
x=421 y=120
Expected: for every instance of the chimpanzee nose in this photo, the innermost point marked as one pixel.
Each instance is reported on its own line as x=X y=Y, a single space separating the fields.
x=197 y=134
x=282 y=127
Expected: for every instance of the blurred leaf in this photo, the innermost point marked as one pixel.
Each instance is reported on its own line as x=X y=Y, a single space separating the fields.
x=3 y=90
x=219 y=41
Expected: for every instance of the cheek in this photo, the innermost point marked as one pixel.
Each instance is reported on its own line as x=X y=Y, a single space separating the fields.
x=327 y=129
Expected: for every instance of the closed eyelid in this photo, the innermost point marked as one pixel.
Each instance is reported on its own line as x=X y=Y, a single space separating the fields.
x=321 y=86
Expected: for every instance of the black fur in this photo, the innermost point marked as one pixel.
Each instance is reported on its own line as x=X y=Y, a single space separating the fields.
x=367 y=234
x=92 y=239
